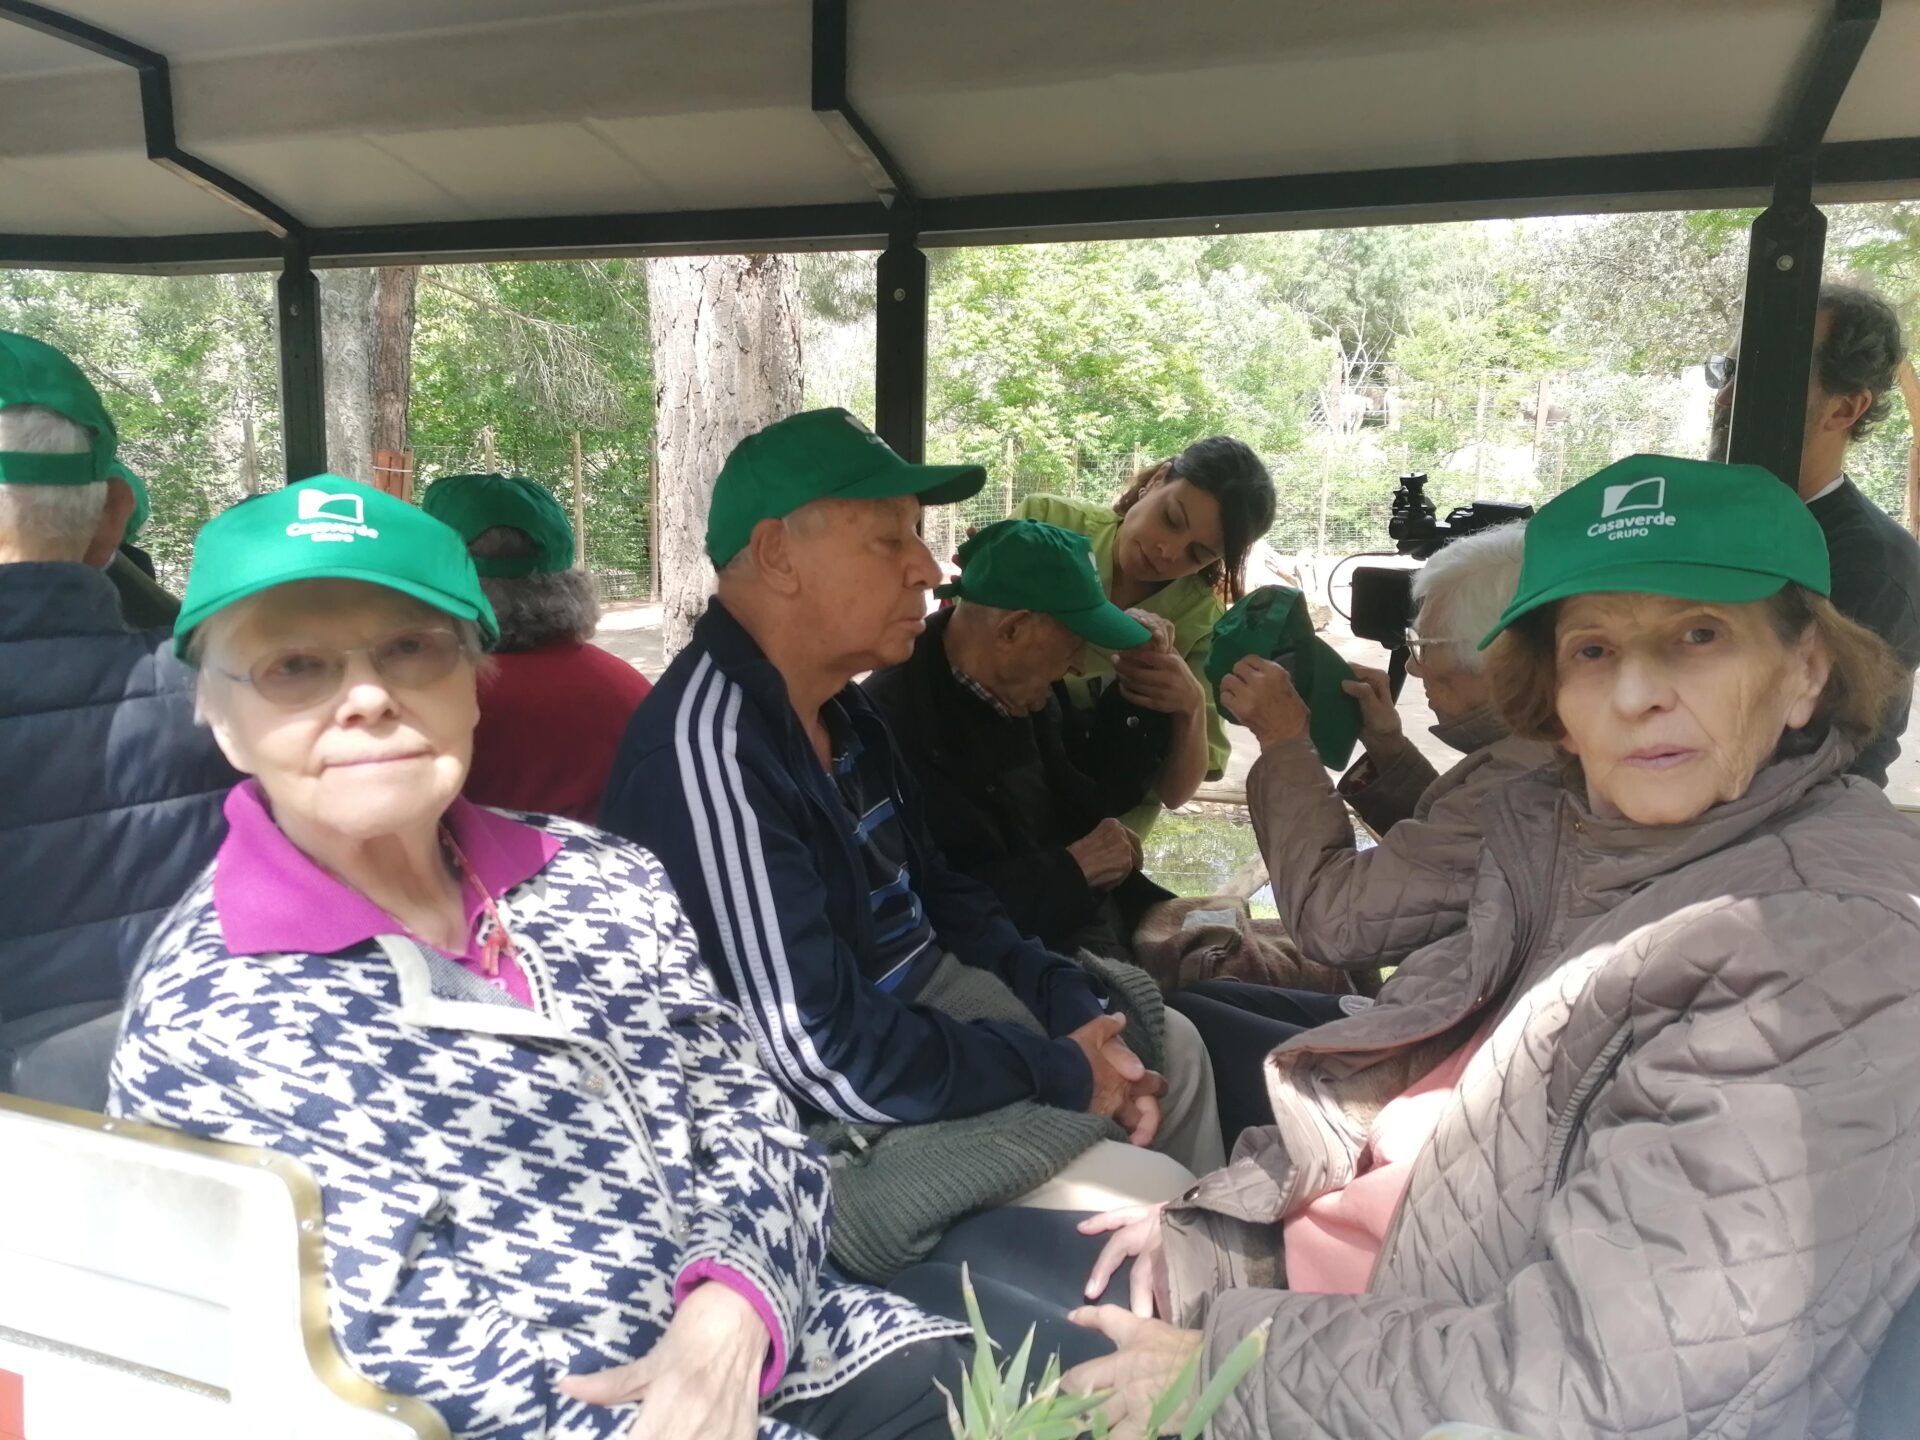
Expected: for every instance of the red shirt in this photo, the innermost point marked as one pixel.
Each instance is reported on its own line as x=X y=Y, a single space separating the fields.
x=550 y=722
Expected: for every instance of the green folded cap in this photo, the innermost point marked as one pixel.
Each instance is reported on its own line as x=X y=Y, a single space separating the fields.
x=818 y=455
x=1655 y=525
x=35 y=374
x=329 y=528
x=142 y=506
x=475 y=503
x=1027 y=565
x=1273 y=623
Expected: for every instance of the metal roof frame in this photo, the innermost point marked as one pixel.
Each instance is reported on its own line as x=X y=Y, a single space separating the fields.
x=1782 y=284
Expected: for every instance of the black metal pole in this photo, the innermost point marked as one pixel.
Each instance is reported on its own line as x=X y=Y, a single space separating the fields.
x=1785 y=253
x=900 y=348
x=1784 y=257
x=303 y=384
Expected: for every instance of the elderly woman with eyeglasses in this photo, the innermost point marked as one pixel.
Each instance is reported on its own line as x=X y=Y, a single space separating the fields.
x=556 y=1180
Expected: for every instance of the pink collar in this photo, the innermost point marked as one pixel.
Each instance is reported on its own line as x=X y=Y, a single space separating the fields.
x=271 y=898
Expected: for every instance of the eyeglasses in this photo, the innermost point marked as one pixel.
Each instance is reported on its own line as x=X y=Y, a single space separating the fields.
x=1426 y=644
x=1720 y=369
x=295 y=678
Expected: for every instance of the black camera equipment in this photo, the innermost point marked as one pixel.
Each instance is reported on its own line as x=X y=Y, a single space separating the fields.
x=1382 y=598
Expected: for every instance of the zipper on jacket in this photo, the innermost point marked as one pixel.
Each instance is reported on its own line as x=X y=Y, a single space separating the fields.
x=1535 y=937
x=1581 y=1101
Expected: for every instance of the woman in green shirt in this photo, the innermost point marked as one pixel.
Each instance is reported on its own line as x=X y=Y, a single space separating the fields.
x=1175 y=545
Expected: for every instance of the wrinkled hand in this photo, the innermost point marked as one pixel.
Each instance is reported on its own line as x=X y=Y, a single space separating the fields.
x=1107 y=854
x=1135 y=1235
x=1121 y=1083
x=700 y=1382
x=1162 y=628
x=1261 y=696
x=1139 y=1113
x=1381 y=732
x=1150 y=1357
x=1158 y=680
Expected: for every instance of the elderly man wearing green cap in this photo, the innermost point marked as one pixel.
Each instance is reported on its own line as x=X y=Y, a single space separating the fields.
x=890 y=994
x=556 y=1179
x=1633 y=1152
x=111 y=793
x=146 y=603
x=554 y=705
x=981 y=730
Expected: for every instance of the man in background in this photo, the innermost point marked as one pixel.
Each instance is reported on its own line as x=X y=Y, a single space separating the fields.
x=1857 y=353
x=109 y=793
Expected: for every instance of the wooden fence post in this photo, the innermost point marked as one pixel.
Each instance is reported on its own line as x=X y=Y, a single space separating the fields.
x=579 y=510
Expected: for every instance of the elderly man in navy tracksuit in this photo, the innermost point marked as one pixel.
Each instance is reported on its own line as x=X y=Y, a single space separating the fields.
x=768 y=786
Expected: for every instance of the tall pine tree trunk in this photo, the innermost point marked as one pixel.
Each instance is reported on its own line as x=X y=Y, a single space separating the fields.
x=392 y=377
x=346 y=349
x=726 y=361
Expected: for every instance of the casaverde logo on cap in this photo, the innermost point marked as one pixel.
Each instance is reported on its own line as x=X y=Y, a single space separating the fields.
x=857 y=423
x=1630 y=511
x=325 y=516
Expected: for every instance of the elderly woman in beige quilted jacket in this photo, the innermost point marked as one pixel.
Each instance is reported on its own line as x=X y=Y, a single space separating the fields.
x=1633 y=1154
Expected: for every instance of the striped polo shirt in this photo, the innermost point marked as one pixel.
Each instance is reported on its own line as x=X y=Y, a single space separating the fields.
x=904 y=949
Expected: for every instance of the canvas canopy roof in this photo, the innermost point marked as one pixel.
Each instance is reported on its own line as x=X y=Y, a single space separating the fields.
x=436 y=128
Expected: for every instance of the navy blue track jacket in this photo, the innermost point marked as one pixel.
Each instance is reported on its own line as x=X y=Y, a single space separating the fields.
x=717 y=778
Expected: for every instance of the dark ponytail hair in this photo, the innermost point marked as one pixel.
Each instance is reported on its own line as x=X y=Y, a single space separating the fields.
x=1230 y=472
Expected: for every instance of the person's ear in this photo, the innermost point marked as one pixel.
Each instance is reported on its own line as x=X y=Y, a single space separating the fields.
x=1809 y=666
x=770 y=553
x=112 y=526
x=1013 y=627
x=1842 y=412
x=215 y=718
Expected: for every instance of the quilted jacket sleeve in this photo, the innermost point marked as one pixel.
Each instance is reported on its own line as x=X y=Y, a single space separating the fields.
x=1351 y=908
x=760 y=1193
x=406 y=1311
x=1385 y=797
x=1735 y=1222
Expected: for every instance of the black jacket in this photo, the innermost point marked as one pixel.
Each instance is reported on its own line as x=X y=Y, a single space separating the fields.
x=1876 y=583
x=110 y=795
x=1004 y=798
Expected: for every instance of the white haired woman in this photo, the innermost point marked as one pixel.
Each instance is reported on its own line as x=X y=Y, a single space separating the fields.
x=556 y=1179
x=553 y=706
x=1634 y=1152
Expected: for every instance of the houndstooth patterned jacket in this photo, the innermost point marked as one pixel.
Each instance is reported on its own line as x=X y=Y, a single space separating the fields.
x=512 y=1194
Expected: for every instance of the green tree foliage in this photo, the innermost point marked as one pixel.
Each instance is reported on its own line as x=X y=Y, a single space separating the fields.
x=532 y=353
x=186 y=364
x=1048 y=353
x=1343 y=357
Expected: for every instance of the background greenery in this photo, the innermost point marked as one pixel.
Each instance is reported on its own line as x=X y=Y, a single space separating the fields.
x=1344 y=357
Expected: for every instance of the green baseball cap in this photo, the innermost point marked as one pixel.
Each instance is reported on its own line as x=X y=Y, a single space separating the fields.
x=1273 y=622
x=1027 y=565
x=142 y=506
x=1656 y=525
x=818 y=455
x=32 y=373
x=474 y=503
x=329 y=528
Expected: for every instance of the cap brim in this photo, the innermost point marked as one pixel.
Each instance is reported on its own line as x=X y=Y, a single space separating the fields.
x=934 y=484
x=191 y=620
x=1107 y=626
x=1678 y=580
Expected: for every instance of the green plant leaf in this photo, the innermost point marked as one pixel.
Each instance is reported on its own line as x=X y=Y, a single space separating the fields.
x=1232 y=1371
x=1016 y=1376
x=1175 y=1395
